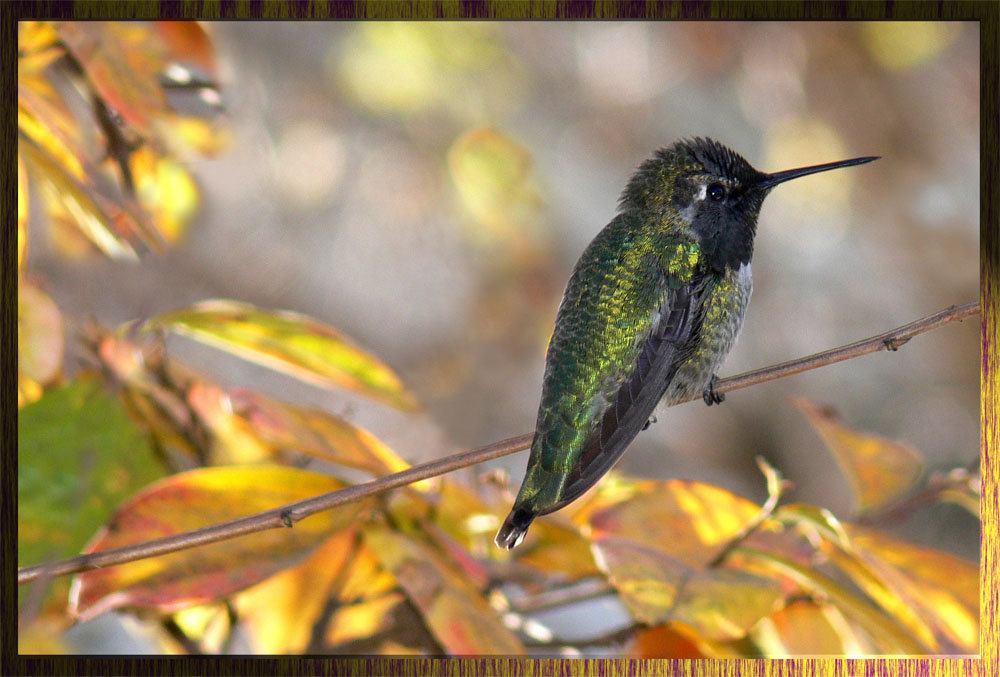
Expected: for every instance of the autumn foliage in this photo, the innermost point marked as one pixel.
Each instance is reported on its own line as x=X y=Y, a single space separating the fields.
x=137 y=446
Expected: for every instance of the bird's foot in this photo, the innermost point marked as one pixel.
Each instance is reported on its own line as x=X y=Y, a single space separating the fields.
x=651 y=421
x=709 y=395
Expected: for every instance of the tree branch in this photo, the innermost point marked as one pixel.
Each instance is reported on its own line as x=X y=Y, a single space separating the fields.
x=285 y=516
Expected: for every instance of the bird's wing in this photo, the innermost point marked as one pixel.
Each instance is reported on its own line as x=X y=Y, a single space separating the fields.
x=638 y=395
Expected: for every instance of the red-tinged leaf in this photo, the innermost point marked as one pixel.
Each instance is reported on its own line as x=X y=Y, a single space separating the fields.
x=471 y=569
x=889 y=635
x=122 y=62
x=455 y=612
x=717 y=603
x=806 y=628
x=234 y=441
x=689 y=520
x=196 y=499
x=187 y=43
x=290 y=342
x=878 y=469
x=40 y=335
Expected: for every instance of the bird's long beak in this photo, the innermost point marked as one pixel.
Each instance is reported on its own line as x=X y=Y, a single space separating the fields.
x=771 y=180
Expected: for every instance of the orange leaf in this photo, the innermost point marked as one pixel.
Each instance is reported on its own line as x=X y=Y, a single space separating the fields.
x=689 y=520
x=195 y=499
x=878 y=469
x=187 y=42
x=806 y=628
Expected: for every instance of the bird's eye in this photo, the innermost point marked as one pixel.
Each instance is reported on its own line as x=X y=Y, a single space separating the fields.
x=717 y=192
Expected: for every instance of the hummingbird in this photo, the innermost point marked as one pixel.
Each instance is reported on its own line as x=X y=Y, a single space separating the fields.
x=651 y=310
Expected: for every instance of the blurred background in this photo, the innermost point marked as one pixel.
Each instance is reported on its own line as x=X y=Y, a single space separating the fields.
x=426 y=188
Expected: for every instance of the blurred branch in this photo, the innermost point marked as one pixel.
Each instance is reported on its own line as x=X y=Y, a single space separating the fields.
x=287 y=515
x=577 y=592
x=939 y=483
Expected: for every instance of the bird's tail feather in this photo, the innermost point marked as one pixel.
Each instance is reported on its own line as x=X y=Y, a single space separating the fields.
x=514 y=528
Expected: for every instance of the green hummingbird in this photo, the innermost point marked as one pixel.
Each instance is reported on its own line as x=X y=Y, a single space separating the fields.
x=651 y=310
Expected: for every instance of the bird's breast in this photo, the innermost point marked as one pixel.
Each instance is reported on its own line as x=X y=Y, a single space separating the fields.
x=718 y=327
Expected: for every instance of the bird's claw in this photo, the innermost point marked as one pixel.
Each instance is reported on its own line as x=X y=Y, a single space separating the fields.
x=651 y=421
x=709 y=395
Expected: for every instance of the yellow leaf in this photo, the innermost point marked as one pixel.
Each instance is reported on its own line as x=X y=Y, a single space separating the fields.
x=361 y=620
x=280 y=612
x=943 y=588
x=97 y=217
x=290 y=342
x=52 y=127
x=35 y=35
x=878 y=469
x=717 y=603
x=493 y=175
x=22 y=210
x=889 y=635
x=165 y=190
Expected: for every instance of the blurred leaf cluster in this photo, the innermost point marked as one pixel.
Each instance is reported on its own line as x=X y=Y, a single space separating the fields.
x=103 y=130
x=138 y=446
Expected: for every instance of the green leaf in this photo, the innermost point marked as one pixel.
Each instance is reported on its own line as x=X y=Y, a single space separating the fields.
x=292 y=343
x=79 y=455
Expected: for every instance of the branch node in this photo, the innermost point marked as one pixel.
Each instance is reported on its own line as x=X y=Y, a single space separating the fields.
x=286 y=518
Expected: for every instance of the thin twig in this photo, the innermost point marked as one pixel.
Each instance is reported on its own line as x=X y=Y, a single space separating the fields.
x=577 y=592
x=284 y=516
